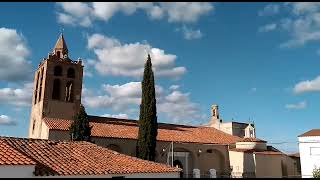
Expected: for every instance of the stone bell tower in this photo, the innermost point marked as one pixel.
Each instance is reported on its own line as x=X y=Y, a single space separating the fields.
x=57 y=88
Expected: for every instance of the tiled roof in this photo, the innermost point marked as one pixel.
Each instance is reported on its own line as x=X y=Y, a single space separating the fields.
x=313 y=132
x=297 y=155
x=252 y=140
x=80 y=158
x=266 y=152
x=128 y=129
x=10 y=156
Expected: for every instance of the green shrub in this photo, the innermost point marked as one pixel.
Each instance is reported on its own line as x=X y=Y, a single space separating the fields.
x=316 y=173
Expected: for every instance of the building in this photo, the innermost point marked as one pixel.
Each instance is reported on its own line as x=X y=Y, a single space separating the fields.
x=234 y=128
x=25 y=158
x=252 y=158
x=203 y=150
x=309 y=147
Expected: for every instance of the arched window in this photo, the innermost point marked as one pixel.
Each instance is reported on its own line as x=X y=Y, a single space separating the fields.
x=56 y=89
x=58 y=53
x=69 y=91
x=36 y=89
x=58 y=71
x=40 y=87
x=71 y=73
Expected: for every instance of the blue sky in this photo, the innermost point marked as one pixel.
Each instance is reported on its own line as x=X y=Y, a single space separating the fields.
x=257 y=61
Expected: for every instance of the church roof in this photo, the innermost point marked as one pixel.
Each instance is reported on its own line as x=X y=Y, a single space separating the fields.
x=75 y=158
x=61 y=43
x=128 y=129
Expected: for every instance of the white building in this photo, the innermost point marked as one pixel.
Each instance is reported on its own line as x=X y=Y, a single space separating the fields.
x=309 y=147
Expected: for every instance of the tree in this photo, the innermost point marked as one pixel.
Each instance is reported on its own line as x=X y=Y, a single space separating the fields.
x=80 y=129
x=316 y=173
x=148 y=125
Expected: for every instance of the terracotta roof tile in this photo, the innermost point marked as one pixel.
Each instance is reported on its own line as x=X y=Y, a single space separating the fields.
x=10 y=156
x=128 y=129
x=252 y=140
x=266 y=152
x=313 y=132
x=78 y=158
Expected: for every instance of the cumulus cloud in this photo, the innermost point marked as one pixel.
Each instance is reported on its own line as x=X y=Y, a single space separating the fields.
x=270 y=9
x=302 y=22
x=7 y=121
x=115 y=58
x=83 y=14
x=190 y=34
x=174 y=104
x=307 y=86
x=300 y=105
x=13 y=56
x=268 y=27
x=18 y=97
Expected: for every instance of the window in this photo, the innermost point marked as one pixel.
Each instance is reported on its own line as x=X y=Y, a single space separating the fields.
x=71 y=73
x=69 y=92
x=40 y=88
x=56 y=89
x=36 y=89
x=58 y=53
x=58 y=71
x=33 y=125
x=315 y=151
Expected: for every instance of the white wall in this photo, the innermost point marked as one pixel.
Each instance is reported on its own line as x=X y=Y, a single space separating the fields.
x=16 y=171
x=309 y=148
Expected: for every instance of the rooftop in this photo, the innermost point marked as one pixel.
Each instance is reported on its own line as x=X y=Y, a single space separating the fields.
x=73 y=158
x=128 y=129
x=313 y=132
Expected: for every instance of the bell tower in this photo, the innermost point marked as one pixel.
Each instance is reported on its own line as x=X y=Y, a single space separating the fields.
x=57 y=88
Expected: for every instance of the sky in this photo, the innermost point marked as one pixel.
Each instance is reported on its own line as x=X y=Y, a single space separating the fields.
x=257 y=61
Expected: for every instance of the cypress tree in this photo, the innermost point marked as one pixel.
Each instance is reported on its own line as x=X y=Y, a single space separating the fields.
x=148 y=125
x=80 y=129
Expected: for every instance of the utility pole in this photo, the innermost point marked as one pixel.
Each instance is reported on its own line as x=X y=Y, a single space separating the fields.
x=172 y=154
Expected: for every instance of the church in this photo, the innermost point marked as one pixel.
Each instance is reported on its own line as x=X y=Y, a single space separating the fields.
x=216 y=149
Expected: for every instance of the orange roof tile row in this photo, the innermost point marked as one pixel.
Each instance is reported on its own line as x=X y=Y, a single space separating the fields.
x=10 y=156
x=313 y=132
x=128 y=129
x=252 y=140
x=266 y=152
x=78 y=158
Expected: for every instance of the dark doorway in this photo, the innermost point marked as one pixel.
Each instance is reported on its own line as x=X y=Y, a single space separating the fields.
x=178 y=164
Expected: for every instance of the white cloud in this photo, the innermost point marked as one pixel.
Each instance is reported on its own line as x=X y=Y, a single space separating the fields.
x=302 y=23
x=76 y=13
x=114 y=58
x=13 y=54
x=300 y=105
x=6 y=120
x=191 y=34
x=307 y=86
x=83 y=14
x=123 y=98
x=19 y=97
x=120 y=116
x=268 y=27
x=174 y=87
x=186 y=11
x=270 y=9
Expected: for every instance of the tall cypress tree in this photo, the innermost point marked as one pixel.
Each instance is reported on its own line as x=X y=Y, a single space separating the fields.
x=148 y=125
x=80 y=129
